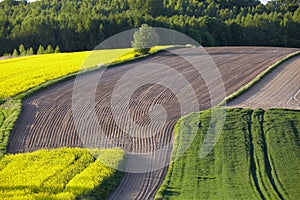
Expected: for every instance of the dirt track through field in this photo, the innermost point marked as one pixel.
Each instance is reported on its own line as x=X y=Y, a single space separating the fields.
x=278 y=89
x=46 y=119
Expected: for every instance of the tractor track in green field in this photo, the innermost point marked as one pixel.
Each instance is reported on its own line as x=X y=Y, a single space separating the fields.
x=269 y=167
x=46 y=119
x=277 y=88
x=268 y=181
x=253 y=167
x=261 y=145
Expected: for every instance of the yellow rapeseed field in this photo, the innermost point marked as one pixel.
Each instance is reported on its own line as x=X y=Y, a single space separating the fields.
x=20 y=74
x=64 y=173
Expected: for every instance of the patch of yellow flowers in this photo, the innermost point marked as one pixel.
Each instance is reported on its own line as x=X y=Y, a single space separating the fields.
x=20 y=74
x=64 y=173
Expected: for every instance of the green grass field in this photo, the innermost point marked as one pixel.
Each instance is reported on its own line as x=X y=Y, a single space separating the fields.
x=60 y=174
x=256 y=157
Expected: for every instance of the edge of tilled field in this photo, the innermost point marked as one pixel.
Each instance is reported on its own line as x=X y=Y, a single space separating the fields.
x=12 y=106
x=49 y=83
x=258 y=78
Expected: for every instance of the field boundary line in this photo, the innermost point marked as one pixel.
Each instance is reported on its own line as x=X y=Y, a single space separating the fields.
x=49 y=83
x=13 y=108
x=17 y=100
x=258 y=78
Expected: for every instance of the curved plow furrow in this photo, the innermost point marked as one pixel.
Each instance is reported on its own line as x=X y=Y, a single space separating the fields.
x=47 y=117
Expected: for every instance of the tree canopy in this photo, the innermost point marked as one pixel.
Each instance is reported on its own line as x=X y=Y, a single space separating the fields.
x=144 y=39
x=76 y=25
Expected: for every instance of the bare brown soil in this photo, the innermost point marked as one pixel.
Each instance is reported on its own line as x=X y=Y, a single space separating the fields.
x=278 y=89
x=5 y=57
x=46 y=119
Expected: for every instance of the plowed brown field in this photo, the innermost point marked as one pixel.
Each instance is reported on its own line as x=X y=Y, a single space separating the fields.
x=46 y=118
x=278 y=89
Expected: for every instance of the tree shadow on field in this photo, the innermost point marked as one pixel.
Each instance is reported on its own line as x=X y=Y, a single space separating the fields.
x=169 y=192
x=108 y=185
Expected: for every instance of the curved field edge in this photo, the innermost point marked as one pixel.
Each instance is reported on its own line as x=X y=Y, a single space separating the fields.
x=258 y=78
x=256 y=157
x=149 y=175
x=65 y=173
x=10 y=109
x=278 y=89
x=85 y=68
x=9 y=113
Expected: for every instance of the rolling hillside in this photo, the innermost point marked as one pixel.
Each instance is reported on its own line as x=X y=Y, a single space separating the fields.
x=46 y=119
x=256 y=157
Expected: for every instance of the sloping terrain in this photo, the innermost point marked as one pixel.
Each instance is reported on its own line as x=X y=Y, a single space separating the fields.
x=256 y=157
x=64 y=173
x=278 y=89
x=46 y=120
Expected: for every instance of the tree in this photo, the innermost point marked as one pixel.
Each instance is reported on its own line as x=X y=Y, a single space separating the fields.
x=49 y=49
x=22 y=50
x=49 y=22
x=154 y=7
x=15 y=53
x=30 y=51
x=144 y=39
x=138 y=5
x=41 y=50
x=57 y=49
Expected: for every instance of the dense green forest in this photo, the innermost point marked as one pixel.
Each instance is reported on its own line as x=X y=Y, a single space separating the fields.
x=76 y=25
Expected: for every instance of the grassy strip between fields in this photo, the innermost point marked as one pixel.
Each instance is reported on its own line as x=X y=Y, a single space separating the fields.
x=256 y=157
x=10 y=108
x=61 y=173
x=65 y=173
x=24 y=76
x=258 y=78
x=9 y=112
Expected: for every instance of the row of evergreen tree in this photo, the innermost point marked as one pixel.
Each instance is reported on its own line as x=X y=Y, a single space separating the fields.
x=77 y=25
x=22 y=51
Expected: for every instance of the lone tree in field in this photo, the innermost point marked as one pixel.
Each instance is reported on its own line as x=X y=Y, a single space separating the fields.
x=144 y=39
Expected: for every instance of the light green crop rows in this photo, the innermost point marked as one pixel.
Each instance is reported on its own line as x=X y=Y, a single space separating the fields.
x=256 y=157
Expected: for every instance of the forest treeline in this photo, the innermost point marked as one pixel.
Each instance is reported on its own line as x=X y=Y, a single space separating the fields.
x=76 y=25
